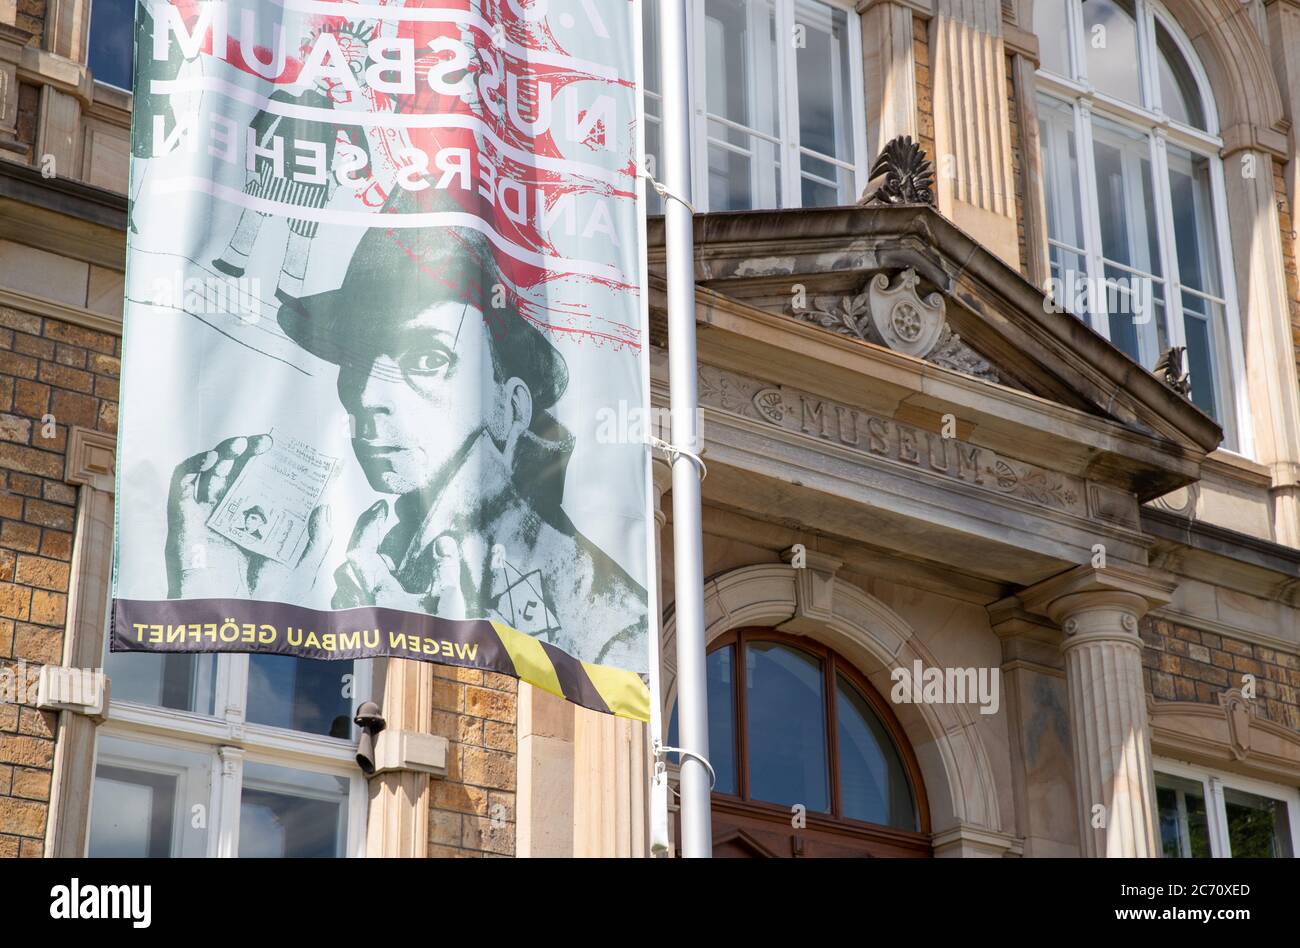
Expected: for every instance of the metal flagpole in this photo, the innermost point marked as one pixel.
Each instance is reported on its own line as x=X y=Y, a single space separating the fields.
x=688 y=558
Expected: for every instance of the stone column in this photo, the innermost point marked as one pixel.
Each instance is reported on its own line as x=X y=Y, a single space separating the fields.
x=400 y=799
x=1098 y=612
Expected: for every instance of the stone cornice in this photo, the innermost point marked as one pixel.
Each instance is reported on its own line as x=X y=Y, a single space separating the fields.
x=76 y=315
x=877 y=379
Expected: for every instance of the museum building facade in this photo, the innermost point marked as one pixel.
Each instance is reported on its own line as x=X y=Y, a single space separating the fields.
x=999 y=323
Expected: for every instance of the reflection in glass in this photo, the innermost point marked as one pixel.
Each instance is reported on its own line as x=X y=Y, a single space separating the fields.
x=1258 y=827
x=112 y=35
x=786 y=727
x=301 y=694
x=1180 y=97
x=1110 y=39
x=292 y=813
x=134 y=813
x=653 y=109
x=1065 y=236
x=825 y=106
x=741 y=97
x=1050 y=23
x=1203 y=299
x=873 y=784
x=142 y=797
x=1130 y=240
x=1184 y=830
x=720 y=671
x=181 y=682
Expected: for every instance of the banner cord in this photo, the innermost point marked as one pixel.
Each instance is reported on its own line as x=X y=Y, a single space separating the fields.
x=661 y=749
x=664 y=193
x=675 y=452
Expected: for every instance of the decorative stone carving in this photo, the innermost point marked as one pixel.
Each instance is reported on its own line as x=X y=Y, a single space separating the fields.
x=845 y=315
x=1169 y=369
x=899 y=319
x=906 y=323
x=908 y=175
x=1182 y=501
x=1238 y=711
x=951 y=353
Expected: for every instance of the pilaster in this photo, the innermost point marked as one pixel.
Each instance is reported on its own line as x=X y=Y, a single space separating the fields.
x=1098 y=612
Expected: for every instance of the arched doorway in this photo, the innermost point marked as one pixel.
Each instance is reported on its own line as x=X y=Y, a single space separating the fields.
x=810 y=760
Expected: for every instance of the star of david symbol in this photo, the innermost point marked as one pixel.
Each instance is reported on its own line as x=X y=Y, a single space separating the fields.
x=521 y=605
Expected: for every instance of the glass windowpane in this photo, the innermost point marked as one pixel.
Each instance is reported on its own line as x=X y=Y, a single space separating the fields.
x=112 y=35
x=301 y=694
x=292 y=813
x=1180 y=96
x=1258 y=827
x=873 y=783
x=143 y=798
x=1184 y=830
x=177 y=681
x=786 y=727
x=1111 y=44
x=1050 y=24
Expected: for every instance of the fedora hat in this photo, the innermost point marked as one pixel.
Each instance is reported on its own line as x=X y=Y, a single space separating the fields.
x=396 y=273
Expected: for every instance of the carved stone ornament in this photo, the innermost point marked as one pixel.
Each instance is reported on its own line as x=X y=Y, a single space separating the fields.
x=1238 y=711
x=1169 y=369
x=908 y=175
x=904 y=321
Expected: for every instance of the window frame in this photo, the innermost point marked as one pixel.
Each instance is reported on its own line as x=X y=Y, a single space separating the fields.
x=787 y=104
x=1213 y=783
x=230 y=741
x=832 y=664
x=1085 y=101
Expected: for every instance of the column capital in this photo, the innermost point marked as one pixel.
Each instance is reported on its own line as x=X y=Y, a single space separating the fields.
x=1088 y=602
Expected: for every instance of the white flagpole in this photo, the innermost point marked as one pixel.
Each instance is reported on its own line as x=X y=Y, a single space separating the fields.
x=688 y=557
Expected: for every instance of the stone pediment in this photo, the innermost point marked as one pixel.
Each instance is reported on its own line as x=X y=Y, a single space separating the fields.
x=899 y=317
x=908 y=280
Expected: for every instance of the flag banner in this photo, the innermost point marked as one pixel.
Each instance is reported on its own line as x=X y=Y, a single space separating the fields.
x=385 y=376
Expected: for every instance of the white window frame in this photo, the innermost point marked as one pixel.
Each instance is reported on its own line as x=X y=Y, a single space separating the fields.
x=786 y=103
x=1213 y=783
x=1085 y=100
x=230 y=741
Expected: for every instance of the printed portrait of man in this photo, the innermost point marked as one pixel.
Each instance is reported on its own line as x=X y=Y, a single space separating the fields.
x=449 y=391
x=254 y=522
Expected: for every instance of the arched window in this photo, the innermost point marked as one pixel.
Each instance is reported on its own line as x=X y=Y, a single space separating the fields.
x=810 y=760
x=1135 y=195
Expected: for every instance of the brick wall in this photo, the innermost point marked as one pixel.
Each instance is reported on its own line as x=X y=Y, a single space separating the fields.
x=31 y=17
x=924 y=89
x=1183 y=664
x=473 y=808
x=52 y=375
